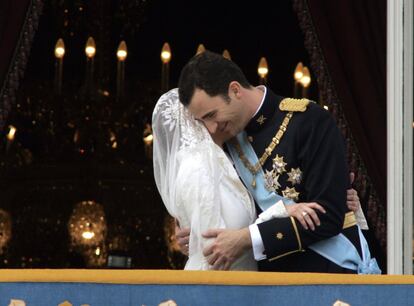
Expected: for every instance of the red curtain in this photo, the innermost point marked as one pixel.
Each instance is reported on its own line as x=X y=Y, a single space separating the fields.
x=346 y=40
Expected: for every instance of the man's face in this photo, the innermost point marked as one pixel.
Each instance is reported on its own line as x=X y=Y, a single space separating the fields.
x=222 y=118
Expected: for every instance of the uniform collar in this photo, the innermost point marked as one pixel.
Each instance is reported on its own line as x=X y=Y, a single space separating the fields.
x=264 y=89
x=265 y=112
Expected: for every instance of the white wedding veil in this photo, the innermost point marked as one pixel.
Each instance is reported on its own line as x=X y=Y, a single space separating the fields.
x=194 y=176
x=177 y=136
x=187 y=172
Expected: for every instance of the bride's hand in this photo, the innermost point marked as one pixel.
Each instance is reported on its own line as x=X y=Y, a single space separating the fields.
x=305 y=213
x=352 y=199
x=182 y=235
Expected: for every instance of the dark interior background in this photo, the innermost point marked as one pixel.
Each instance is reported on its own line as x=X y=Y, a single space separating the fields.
x=64 y=152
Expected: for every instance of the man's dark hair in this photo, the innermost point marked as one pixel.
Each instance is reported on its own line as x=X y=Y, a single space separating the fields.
x=210 y=72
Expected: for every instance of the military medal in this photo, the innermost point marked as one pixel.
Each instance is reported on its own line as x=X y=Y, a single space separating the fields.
x=295 y=176
x=291 y=193
x=271 y=181
x=279 y=164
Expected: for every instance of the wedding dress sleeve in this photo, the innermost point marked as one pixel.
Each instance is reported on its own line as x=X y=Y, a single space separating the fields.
x=360 y=218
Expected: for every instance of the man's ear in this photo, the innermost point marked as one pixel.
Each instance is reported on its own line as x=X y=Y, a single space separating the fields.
x=234 y=89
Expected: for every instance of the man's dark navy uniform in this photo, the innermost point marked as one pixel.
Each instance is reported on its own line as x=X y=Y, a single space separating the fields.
x=308 y=165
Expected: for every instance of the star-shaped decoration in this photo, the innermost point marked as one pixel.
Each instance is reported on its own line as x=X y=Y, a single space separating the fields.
x=279 y=236
x=261 y=119
x=295 y=176
x=291 y=193
x=279 y=164
x=271 y=181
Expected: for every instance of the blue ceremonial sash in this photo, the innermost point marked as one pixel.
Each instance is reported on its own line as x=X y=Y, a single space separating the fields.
x=337 y=249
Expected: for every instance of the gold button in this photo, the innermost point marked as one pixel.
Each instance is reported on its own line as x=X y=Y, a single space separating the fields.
x=250 y=138
x=279 y=236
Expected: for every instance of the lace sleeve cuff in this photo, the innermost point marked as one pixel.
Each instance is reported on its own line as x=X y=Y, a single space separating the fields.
x=360 y=218
x=277 y=210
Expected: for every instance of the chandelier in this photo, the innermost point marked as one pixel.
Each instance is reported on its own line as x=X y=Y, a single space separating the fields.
x=5 y=229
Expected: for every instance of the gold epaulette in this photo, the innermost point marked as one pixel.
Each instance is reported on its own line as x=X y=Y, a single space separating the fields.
x=293 y=105
x=350 y=220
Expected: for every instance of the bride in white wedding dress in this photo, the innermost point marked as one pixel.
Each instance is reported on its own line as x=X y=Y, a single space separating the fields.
x=197 y=181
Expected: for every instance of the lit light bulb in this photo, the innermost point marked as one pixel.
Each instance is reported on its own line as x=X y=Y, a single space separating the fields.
x=166 y=53
x=60 y=48
x=200 y=49
x=306 y=79
x=122 y=53
x=12 y=133
x=298 y=72
x=263 y=69
x=88 y=235
x=90 y=48
x=148 y=139
x=226 y=54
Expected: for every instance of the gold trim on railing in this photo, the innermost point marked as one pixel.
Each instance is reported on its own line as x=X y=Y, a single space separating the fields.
x=146 y=277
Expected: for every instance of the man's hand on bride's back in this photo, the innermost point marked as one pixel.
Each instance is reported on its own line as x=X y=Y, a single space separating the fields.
x=182 y=235
x=227 y=246
x=306 y=214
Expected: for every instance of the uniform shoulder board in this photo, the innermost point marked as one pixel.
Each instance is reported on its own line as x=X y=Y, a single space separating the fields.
x=294 y=105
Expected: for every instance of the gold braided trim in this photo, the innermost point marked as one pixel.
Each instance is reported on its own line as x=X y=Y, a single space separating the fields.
x=276 y=140
x=294 y=105
x=268 y=151
x=296 y=232
x=285 y=254
x=349 y=220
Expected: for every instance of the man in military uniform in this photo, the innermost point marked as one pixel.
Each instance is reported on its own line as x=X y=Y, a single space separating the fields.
x=301 y=154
